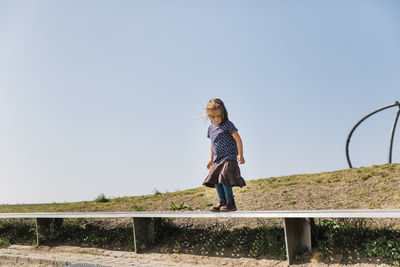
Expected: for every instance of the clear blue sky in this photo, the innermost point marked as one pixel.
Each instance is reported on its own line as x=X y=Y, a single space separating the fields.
x=106 y=96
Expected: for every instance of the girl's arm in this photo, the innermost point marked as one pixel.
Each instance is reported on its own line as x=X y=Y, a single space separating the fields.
x=239 y=145
x=211 y=160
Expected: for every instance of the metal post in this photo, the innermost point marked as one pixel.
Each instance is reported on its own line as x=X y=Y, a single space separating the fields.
x=143 y=232
x=37 y=232
x=297 y=236
x=358 y=123
x=134 y=235
x=43 y=226
x=392 y=135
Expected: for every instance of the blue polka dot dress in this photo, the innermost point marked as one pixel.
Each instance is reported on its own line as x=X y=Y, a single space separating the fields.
x=225 y=168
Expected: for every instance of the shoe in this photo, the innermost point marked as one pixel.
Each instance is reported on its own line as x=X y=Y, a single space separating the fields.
x=230 y=205
x=222 y=202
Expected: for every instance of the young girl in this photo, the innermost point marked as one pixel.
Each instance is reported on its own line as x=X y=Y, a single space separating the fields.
x=226 y=153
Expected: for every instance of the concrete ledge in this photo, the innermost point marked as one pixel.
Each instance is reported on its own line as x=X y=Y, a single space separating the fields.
x=393 y=213
x=296 y=222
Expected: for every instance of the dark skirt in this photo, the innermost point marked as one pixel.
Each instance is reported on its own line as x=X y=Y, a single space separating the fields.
x=226 y=172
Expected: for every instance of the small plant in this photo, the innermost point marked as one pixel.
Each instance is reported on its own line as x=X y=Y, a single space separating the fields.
x=384 y=246
x=139 y=208
x=156 y=192
x=4 y=243
x=207 y=203
x=220 y=241
x=181 y=206
x=102 y=198
x=17 y=231
x=274 y=186
x=366 y=177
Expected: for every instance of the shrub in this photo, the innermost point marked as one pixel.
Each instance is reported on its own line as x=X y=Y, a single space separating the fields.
x=17 y=231
x=181 y=206
x=4 y=243
x=102 y=198
x=344 y=236
x=156 y=192
x=139 y=208
x=385 y=247
x=255 y=242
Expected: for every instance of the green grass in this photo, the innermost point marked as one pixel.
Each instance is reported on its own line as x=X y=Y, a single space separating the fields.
x=365 y=187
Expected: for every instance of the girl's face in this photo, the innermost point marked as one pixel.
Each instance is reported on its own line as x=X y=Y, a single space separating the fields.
x=216 y=116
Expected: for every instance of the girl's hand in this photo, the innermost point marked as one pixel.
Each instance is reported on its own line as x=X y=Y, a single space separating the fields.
x=240 y=159
x=209 y=164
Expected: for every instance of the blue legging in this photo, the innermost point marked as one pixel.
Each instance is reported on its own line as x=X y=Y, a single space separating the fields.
x=224 y=191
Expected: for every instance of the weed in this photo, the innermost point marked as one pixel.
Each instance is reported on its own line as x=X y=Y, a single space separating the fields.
x=4 y=243
x=120 y=199
x=345 y=235
x=366 y=176
x=18 y=231
x=241 y=241
x=101 y=198
x=181 y=206
x=139 y=208
x=207 y=203
x=384 y=188
x=156 y=192
x=384 y=246
x=274 y=186
x=391 y=168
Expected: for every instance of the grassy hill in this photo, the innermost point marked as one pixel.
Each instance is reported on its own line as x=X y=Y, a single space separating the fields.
x=366 y=188
x=337 y=241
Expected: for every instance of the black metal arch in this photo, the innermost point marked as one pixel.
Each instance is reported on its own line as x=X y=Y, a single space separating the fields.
x=369 y=115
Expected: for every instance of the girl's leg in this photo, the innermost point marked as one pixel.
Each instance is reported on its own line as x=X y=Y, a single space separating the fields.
x=221 y=196
x=228 y=191
x=230 y=201
x=220 y=191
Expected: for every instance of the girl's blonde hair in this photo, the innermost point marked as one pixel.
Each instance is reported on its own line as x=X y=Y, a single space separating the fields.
x=214 y=105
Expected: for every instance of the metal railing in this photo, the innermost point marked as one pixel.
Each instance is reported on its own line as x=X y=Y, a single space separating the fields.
x=367 y=116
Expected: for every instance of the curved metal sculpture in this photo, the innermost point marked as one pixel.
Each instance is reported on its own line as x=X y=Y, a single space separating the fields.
x=391 y=137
